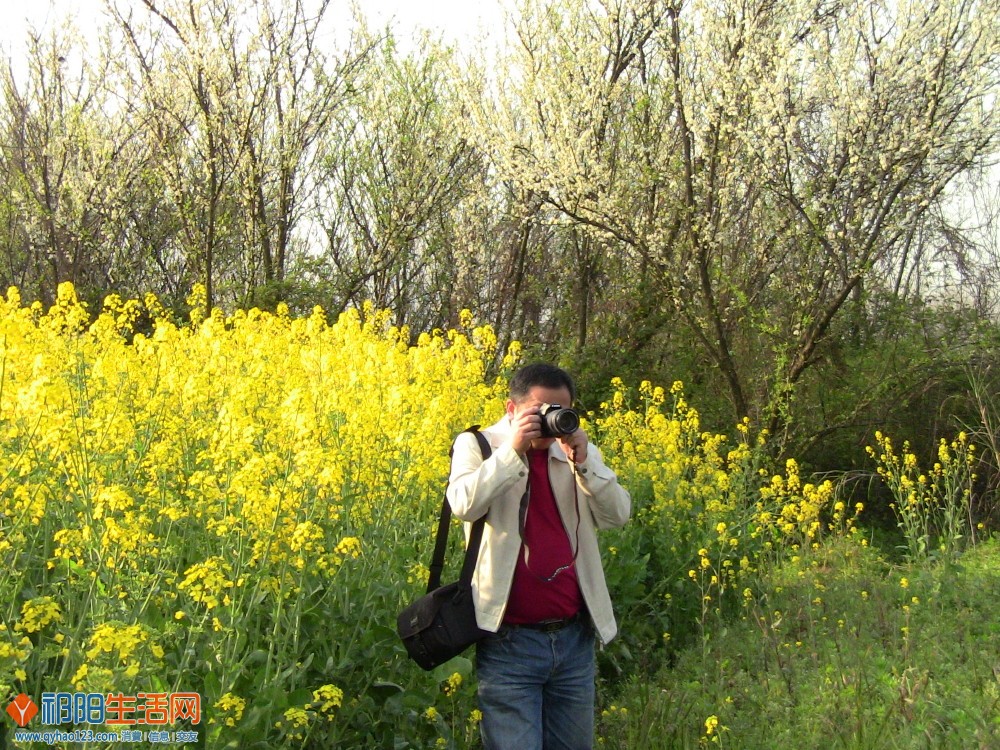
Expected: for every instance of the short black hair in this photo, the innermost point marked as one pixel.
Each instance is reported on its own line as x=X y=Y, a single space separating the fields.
x=544 y=375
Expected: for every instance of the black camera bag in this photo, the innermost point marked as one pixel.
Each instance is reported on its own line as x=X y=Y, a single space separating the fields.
x=442 y=624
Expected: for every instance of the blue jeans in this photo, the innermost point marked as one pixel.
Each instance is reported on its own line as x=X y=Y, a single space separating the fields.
x=536 y=689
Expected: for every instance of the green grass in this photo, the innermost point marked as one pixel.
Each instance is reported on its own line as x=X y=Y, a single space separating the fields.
x=844 y=650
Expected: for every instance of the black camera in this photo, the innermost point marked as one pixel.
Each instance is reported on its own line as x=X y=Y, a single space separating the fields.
x=558 y=420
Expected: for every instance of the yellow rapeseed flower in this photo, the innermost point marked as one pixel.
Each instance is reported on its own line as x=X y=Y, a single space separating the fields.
x=452 y=684
x=231 y=707
x=349 y=546
x=37 y=613
x=711 y=724
x=328 y=697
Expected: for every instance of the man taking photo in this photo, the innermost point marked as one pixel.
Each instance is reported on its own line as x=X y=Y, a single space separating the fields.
x=539 y=585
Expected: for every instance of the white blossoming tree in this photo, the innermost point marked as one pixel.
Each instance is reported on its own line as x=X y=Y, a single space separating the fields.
x=754 y=166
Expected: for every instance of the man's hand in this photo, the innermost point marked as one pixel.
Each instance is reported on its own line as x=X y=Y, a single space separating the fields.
x=527 y=426
x=574 y=445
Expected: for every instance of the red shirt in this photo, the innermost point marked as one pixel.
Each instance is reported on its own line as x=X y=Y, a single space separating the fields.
x=545 y=549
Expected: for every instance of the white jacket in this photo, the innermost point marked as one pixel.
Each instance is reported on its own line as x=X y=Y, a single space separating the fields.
x=495 y=487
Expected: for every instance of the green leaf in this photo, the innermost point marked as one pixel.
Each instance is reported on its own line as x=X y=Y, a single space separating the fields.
x=459 y=664
x=300 y=697
x=213 y=688
x=381 y=691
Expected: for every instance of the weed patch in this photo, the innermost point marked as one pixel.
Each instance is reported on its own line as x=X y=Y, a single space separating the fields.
x=844 y=650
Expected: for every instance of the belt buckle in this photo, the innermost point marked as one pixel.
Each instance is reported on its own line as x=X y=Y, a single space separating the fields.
x=551 y=626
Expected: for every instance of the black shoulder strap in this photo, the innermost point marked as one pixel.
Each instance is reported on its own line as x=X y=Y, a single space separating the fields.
x=475 y=536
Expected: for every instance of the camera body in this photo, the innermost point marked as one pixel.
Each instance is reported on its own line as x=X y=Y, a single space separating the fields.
x=558 y=420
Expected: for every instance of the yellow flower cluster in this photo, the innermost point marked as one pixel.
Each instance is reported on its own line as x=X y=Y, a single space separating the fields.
x=121 y=640
x=241 y=472
x=13 y=652
x=349 y=547
x=297 y=718
x=268 y=478
x=709 y=502
x=801 y=504
x=932 y=507
x=612 y=710
x=115 y=646
x=37 y=613
x=452 y=684
x=326 y=698
x=204 y=582
x=668 y=449
x=231 y=708
x=711 y=724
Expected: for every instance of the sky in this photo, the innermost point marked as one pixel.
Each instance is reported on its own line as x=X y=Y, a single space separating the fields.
x=457 y=20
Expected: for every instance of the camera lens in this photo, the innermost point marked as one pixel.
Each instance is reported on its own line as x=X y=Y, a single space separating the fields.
x=558 y=420
x=565 y=422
